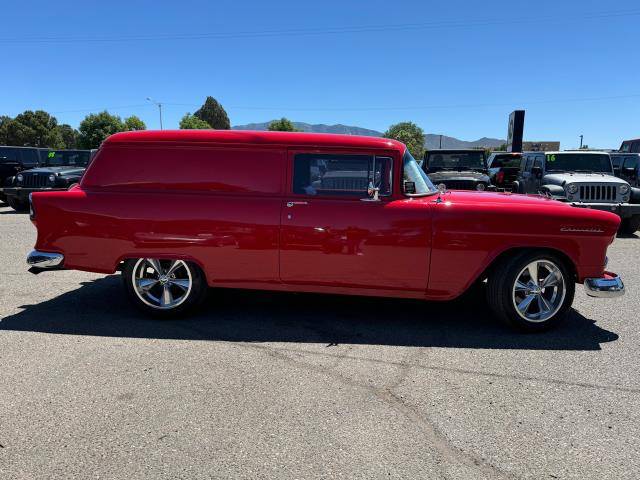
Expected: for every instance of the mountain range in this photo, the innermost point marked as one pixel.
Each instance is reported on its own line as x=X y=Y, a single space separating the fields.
x=431 y=140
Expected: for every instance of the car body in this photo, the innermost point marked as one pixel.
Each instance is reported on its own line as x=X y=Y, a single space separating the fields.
x=630 y=146
x=627 y=167
x=14 y=160
x=458 y=169
x=504 y=168
x=583 y=178
x=177 y=211
x=58 y=170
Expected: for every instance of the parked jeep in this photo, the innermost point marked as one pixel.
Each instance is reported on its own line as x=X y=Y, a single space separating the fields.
x=504 y=168
x=58 y=171
x=457 y=169
x=627 y=167
x=585 y=179
x=14 y=160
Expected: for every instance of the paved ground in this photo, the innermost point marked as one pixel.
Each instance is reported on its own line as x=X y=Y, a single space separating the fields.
x=305 y=386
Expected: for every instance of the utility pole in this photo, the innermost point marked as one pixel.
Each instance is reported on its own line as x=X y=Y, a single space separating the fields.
x=440 y=141
x=581 y=138
x=159 y=108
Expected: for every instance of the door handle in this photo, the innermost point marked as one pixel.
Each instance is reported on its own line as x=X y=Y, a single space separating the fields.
x=292 y=204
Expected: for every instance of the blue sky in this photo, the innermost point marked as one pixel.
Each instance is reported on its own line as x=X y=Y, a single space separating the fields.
x=453 y=67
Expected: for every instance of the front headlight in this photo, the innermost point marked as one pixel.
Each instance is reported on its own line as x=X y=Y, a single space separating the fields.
x=19 y=178
x=572 y=189
x=623 y=189
x=52 y=178
x=480 y=187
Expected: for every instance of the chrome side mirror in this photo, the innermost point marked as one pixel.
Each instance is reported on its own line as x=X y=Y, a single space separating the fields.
x=373 y=193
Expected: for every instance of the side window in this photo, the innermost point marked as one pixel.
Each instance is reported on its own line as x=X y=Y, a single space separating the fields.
x=631 y=162
x=635 y=147
x=528 y=164
x=616 y=160
x=8 y=154
x=537 y=162
x=340 y=175
x=29 y=157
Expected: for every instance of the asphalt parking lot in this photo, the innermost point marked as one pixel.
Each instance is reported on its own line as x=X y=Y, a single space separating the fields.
x=265 y=385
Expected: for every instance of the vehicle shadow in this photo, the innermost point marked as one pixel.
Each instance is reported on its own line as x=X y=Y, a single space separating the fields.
x=100 y=308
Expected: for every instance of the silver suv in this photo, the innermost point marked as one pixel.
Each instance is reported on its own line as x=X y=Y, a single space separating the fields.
x=584 y=178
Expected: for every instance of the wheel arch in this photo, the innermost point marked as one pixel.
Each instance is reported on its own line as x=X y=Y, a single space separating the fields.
x=513 y=251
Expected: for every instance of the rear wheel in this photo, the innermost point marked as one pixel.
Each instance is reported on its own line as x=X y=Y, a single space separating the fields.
x=164 y=287
x=630 y=225
x=532 y=291
x=17 y=205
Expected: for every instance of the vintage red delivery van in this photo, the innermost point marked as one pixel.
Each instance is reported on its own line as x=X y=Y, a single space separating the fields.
x=179 y=211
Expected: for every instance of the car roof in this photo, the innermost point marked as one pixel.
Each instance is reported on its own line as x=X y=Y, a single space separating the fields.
x=587 y=152
x=255 y=137
x=626 y=154
x=454 y=150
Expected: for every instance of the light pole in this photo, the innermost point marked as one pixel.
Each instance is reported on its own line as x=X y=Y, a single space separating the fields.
x=581 y=137
x=149 y=99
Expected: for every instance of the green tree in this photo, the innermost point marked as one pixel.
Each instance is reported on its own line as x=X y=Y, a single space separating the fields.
x=69 y=135
x=4 y=119
x=411 y=135
x=32 y=129
x=96 y=127
x=213 y=113
x=134 y=123
x=191 y=122
x=282 y=125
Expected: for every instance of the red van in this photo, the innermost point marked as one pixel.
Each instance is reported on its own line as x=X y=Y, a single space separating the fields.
x=179 y=211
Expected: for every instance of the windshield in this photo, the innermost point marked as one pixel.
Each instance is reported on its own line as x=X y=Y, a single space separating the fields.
x=455 y=160
x=66 y=157
x=578 y=162
x=412 y=172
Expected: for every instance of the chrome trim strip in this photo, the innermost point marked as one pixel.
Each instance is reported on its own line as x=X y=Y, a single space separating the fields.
x=604 y=287
x=45 y=259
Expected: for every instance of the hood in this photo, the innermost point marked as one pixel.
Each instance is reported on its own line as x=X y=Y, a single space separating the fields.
x=562 y=178
x=63 y=170
x=463 y=176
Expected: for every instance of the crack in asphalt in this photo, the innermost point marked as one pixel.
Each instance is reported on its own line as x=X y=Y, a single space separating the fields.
x=443 y=446
x=471 y=372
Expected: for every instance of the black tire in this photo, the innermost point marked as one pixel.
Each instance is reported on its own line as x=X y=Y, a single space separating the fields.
x=501 y=294
x=193 y=299
x=17 y=205
x=631 y=225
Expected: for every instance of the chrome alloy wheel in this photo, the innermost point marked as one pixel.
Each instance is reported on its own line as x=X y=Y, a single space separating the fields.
x=539 y=291
x=161 y=284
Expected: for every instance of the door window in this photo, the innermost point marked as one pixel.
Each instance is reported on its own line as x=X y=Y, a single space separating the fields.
x=341 y=175
x=631 y=162
x=616 y=160
x=8 y=154
x=528 y=164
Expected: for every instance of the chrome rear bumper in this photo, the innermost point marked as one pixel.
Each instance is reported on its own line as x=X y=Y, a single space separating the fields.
x=608 y=286
x=39 y=261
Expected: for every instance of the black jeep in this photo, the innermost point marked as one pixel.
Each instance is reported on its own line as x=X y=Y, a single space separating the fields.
x=58 y=170
x=14 y=160
x=458 y=169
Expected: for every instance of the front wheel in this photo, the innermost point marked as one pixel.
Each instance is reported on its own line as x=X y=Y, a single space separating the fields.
x=164 y=287
x=630 y=225
x=531 y=292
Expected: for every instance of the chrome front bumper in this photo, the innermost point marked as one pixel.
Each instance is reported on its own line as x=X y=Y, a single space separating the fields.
x=608 y=286
x=39 y=261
